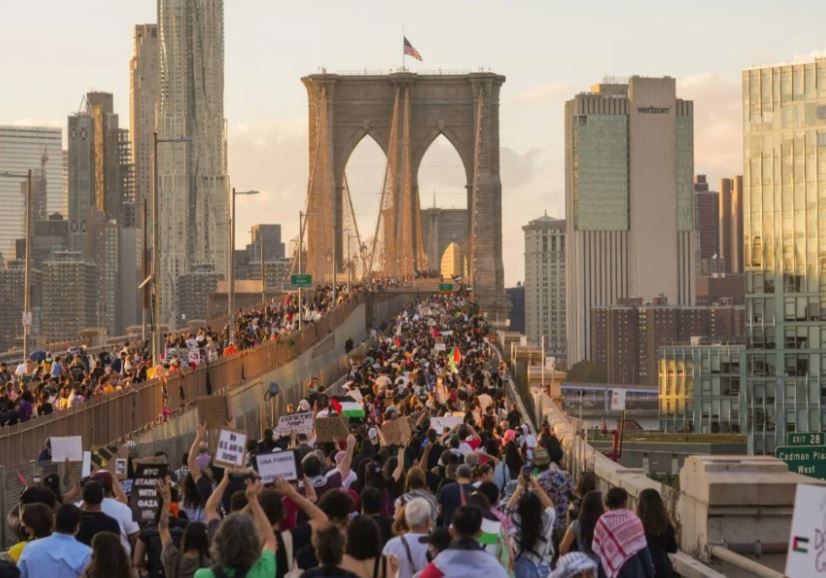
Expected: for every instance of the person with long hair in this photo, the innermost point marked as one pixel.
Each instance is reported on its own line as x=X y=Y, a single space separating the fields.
x=362 y=555
x=245 y=543
x=587 y=482
x=109 y=559
x=182 y=562
x=580 y=534
x=532 y=513
x=659 y=531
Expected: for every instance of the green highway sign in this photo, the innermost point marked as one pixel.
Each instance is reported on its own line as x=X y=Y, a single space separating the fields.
x=805 y=439
x=301 y=280
x=806 y=460
x=445 y=287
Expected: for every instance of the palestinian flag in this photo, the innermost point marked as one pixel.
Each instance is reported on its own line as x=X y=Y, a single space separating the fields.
x=490 y=532
x=348 y=408
x=452 y=563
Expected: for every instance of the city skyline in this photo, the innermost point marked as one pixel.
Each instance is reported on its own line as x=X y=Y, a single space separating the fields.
x=267 y=112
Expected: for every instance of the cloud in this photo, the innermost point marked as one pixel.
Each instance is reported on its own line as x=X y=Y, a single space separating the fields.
x=818 y=53
x=718 y=132
x=546 y=92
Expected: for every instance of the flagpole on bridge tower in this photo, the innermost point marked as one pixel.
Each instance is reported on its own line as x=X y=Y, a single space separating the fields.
x=403 y=52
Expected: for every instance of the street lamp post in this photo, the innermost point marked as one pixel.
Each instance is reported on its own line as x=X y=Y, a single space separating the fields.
x=27 y=304
x=263 y=278
x=156 y=236
x=231 y=272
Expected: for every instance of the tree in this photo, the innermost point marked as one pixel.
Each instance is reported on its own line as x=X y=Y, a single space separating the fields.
x=587 y=371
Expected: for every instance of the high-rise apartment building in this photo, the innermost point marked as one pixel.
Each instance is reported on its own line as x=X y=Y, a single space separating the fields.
x=707 y=219
x=545 y=285
x=11 y=303
x=193 y=176
x=70 y=301
x=731 y=224
x=194 y=289
x=784 y=210
x=23 y=148
x=629 y=163
x=144 y=82
x=625 y=337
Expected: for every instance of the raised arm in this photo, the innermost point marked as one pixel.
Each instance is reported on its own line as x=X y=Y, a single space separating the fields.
x=211 y=507
x=347 y=461
x=163 y=521
x=397 y=473
x=317 y=518
x=191 y=461
x=264 y=526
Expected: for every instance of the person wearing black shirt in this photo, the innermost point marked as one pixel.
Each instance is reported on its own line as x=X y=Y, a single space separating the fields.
x=93 y=520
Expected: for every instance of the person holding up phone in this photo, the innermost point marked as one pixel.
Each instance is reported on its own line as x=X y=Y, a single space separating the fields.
x=532 y=514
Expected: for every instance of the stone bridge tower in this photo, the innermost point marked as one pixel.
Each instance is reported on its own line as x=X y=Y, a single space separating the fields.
x=404 y=112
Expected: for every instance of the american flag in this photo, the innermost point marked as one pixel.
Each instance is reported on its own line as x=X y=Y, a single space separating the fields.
x=410 y=51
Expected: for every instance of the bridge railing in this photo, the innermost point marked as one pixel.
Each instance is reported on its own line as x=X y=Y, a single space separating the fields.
x=104 y=419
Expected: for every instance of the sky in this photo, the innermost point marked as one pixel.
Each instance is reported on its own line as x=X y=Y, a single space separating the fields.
x=53 y=51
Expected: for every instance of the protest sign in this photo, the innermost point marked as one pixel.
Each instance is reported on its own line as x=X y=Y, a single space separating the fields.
x=121 y=468
x=618 y=400
x=440 y=347
x=300 y=423
x=330 y=429
x=86 y=466
x=804 y=558
x=194 y=357
x=214 y=410
x=231 y=446
x=66 y=448
x=396 y=431
x=146 y=499
x=284 y=464
x=439 y=424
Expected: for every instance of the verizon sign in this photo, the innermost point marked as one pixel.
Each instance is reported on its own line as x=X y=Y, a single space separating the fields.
x=653 y=109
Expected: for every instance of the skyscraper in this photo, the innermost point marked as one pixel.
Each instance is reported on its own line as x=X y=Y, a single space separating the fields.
x=80 y=176
x=629 y=164
x=270 y=236
x=707 y=205
x=784 y=209
x=144 y=79
x=69 y=295
x=731 y=224
x=193 y=176
x=545 y=285
x=23 y=148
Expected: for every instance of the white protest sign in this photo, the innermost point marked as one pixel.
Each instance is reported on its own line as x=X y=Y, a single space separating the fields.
x=440 y=347
x=86 y=466
x=438 y=424
x=300 y=423
x=447 y=333
x=67 y=448
x=195 y=357
x=618 y=400
x=807 y=540
x=231 y=445
x=277 y=464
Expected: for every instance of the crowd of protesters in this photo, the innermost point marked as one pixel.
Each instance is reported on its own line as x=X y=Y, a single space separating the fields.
x=45 y=383
x=469 y=489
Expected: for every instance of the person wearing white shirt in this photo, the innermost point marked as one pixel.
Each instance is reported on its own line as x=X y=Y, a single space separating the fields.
x=406 y=553
x=118 y=510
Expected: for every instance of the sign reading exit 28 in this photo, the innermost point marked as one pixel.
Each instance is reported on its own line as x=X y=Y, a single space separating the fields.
x=805 y=439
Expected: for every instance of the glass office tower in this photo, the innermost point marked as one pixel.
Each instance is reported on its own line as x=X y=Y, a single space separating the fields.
x=784 y=124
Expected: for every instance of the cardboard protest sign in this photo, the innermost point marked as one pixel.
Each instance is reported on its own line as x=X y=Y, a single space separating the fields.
x=214 y=410
x=300 y=423
x=284 y=464
x=330 y=429
x=396 y=431
x=66 y=448
x=439 y=424
x=146 y=499
x=231 y=446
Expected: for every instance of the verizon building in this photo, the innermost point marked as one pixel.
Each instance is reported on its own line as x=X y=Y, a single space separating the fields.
x=629 y=165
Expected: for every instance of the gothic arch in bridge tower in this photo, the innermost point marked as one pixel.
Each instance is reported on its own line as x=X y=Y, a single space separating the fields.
x=404 y=113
